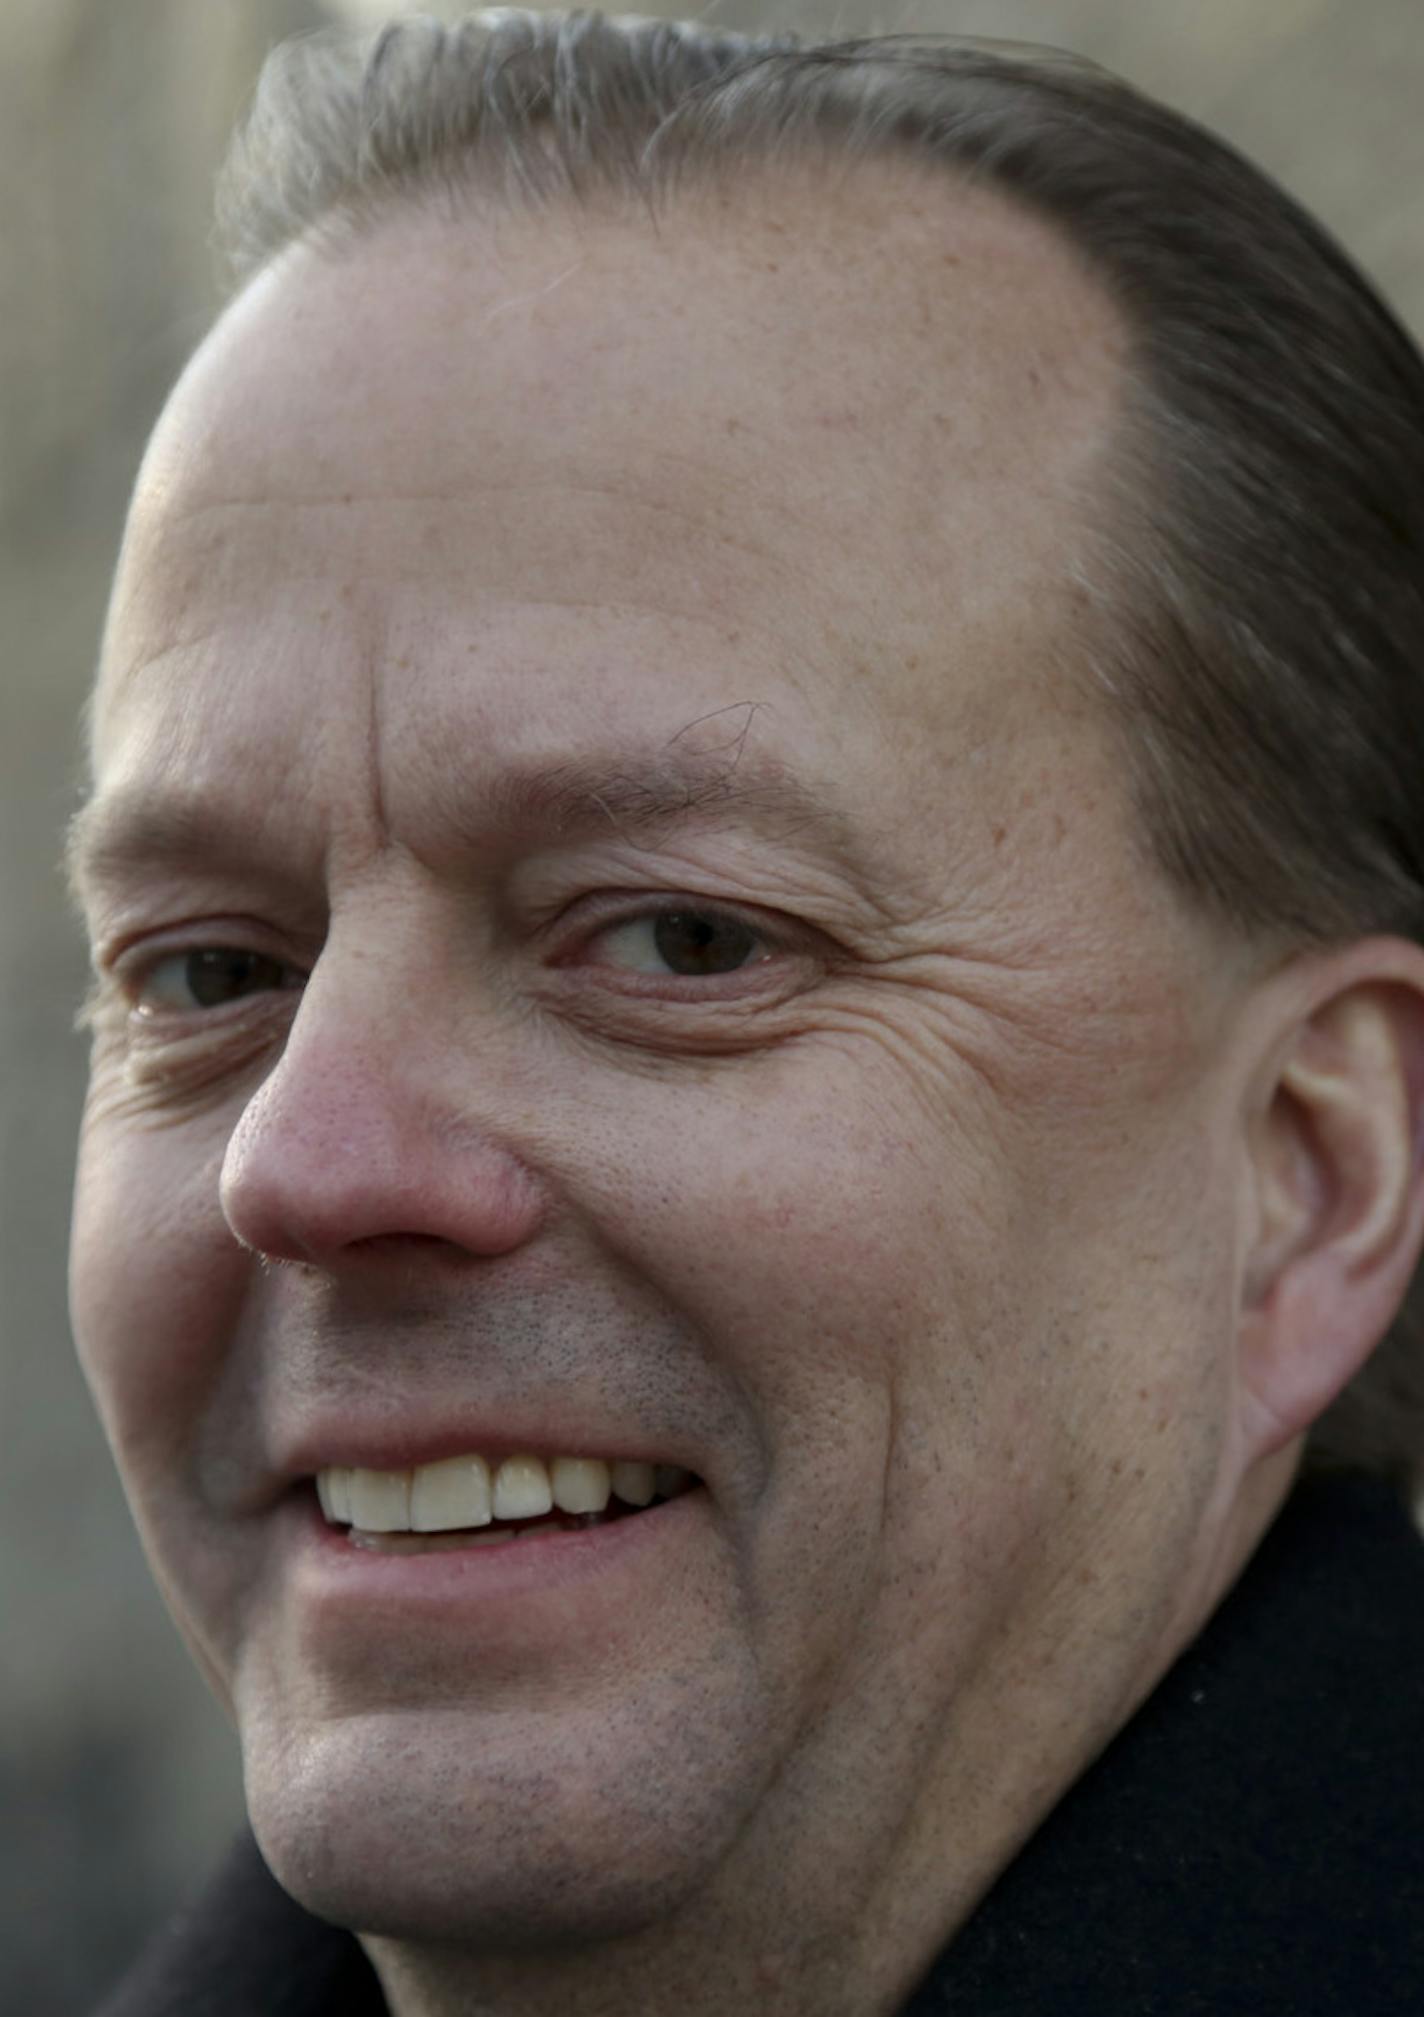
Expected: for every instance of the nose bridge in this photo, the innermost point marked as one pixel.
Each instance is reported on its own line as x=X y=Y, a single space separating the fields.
x=381 y=1119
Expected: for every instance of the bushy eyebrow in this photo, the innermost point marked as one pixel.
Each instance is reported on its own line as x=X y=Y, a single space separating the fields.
x=633 y=793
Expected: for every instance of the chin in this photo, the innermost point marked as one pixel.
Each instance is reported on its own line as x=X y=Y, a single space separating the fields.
x=394 y=1836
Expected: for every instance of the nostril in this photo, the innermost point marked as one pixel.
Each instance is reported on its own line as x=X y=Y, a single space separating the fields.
x=397 y=1243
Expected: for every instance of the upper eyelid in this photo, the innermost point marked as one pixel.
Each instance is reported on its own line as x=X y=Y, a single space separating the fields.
x=145 y=945
x=612 y=908
x=693 y=906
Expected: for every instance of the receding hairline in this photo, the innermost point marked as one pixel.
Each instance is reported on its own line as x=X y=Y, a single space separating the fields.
x=953 y=216
x=894 y=192
x=372 y=126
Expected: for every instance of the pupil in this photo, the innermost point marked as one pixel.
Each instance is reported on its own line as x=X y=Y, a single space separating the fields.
x=219 y=976
x=694 y=944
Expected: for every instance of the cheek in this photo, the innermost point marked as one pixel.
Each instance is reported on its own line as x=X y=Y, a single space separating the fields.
x=885 y=1308
x=826 y=1245
x=911 y=1302
x=156 y=1281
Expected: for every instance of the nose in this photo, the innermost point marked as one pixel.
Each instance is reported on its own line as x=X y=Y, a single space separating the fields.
x=374 y=1129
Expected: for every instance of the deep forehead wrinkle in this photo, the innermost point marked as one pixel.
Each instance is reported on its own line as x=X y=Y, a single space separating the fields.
x=123 y=833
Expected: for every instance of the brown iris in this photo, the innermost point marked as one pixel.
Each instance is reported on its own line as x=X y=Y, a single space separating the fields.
x=696 y=942
x=225 y=973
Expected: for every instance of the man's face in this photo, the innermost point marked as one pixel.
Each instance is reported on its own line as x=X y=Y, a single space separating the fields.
x=680 y=986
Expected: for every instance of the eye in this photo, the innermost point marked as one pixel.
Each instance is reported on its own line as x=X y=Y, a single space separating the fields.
x=687 y=943
x=210 y=978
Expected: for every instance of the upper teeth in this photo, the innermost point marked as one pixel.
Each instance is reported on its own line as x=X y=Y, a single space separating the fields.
x=462 y=1492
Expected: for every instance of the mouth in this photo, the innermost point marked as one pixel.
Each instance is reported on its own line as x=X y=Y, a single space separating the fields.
x=467 y=1501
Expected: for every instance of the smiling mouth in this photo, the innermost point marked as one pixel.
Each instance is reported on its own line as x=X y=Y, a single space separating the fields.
x=465 y=1502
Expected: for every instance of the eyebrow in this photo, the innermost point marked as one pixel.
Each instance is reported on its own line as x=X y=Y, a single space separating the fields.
x=647 y=791
x=122 y=833
x=630 y=793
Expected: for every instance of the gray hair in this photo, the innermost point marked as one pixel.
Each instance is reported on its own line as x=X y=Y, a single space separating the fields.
x=1262 y=556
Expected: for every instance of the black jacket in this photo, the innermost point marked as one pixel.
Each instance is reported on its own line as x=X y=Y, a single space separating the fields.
x=1251 y=1845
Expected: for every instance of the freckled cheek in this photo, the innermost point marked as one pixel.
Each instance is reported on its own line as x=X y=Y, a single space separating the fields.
x=156 y=1287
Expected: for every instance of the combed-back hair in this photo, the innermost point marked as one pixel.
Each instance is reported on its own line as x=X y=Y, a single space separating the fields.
x=1259 y=564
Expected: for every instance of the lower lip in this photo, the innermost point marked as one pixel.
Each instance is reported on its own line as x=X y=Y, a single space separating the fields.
x=333 y=1569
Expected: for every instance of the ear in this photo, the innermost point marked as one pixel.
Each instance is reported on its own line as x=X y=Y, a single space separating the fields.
x=1336 y=1128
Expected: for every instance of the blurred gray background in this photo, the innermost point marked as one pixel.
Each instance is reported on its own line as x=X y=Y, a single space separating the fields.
x=118 y=1780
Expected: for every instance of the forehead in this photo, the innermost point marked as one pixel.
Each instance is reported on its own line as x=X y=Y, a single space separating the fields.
x=861 y=305
x=787 y=444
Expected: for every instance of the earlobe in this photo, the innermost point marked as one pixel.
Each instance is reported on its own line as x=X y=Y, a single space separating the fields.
x=1334 y=1144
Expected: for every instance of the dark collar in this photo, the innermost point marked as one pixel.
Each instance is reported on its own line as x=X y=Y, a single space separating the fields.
x=1251 y=1845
